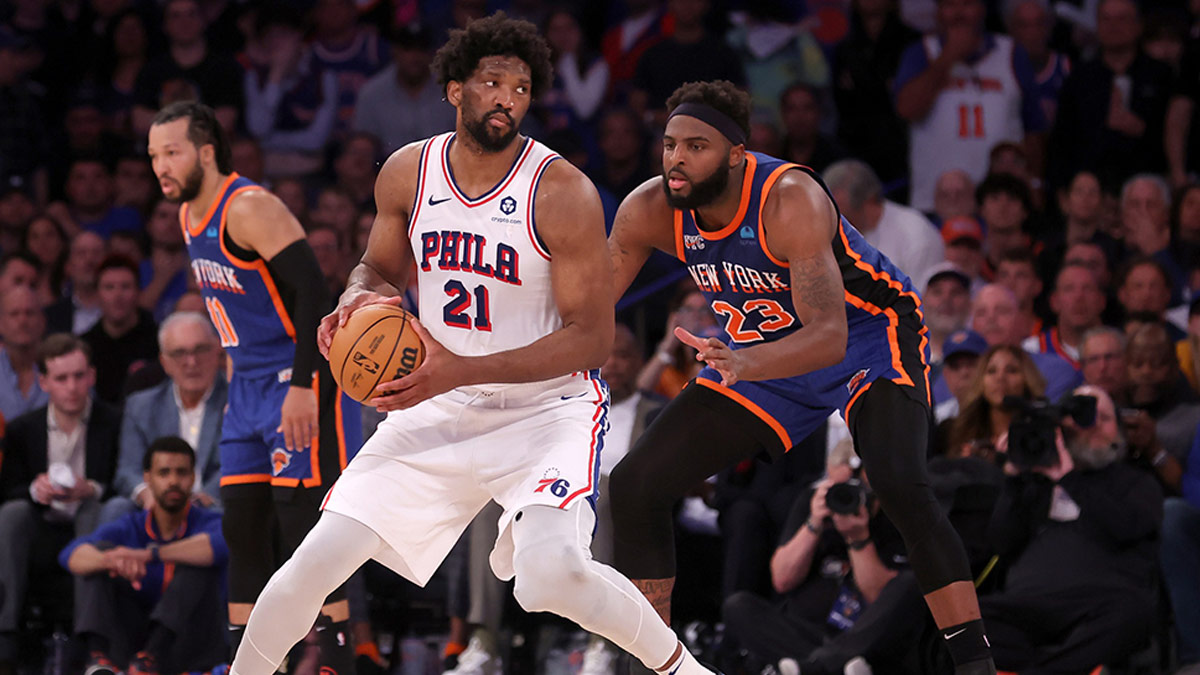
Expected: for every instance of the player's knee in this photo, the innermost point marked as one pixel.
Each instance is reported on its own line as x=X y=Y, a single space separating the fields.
x=634 y=490
x=549 y=576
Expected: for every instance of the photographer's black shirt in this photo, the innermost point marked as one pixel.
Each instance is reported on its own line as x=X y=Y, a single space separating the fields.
x=1112 y=542
x=831 y=560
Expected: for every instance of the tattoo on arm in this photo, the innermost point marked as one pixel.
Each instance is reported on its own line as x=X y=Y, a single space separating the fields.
x=815 y=284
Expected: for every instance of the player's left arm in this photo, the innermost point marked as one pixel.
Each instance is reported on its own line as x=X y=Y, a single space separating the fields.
x=570 y=221
x=800 y=222
x=259 y=221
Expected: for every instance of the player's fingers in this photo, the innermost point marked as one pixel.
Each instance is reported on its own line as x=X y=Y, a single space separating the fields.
x=422 y=333
x=395 y=300
x=688 y=339
x=288 y=437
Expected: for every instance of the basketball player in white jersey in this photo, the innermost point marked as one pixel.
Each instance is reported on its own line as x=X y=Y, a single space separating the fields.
x=512 y=266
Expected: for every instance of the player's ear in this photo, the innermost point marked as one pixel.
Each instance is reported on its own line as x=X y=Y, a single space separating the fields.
x=454 y=92
x=208 y=154
x=737 y=154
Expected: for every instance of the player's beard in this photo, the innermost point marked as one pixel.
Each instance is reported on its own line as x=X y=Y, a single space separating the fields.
x=485 y=136
x=190 y=188
x=703 y=192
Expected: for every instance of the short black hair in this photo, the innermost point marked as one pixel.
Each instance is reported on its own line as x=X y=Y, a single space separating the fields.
x=60 y=344
x=495 y=35
x=1004 y=183
x=203 y=129
x=1019 y=255
x=1143 y=261
x=172 y=445
x=723 y=95
x=24 y=256
x=115 y=261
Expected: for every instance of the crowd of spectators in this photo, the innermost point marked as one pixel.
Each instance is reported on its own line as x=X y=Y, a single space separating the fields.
x=1030 y=164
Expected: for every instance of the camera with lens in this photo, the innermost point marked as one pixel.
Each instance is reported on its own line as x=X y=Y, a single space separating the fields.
x=1032 y=436
x=845 y=499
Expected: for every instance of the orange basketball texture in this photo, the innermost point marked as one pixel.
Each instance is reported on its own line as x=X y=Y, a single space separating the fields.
x=376 y=345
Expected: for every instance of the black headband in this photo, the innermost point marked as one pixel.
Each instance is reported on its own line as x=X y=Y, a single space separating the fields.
x=712 y=117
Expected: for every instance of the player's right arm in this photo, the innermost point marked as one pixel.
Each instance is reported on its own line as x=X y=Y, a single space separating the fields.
x=383 y=271
x=644 y=222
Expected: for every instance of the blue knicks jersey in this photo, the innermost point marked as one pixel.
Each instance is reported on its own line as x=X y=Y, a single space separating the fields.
x=751 y=289
x=241 y=297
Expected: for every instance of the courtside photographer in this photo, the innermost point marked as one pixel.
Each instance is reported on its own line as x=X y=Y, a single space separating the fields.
x=1077 y=528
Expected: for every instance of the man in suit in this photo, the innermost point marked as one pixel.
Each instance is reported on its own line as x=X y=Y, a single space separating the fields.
x=59 y=462
x=189 y=404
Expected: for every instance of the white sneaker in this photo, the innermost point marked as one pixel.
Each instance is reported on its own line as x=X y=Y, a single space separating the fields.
x=857 y=666
x=476 y=660
x=600 y=658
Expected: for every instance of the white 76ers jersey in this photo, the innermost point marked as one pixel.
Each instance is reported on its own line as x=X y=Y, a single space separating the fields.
x=483 y=275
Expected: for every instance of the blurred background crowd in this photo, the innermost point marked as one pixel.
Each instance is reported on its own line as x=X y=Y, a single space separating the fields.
x=1030 y=164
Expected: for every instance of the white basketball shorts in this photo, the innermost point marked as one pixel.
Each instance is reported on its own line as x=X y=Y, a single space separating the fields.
x=428 y=470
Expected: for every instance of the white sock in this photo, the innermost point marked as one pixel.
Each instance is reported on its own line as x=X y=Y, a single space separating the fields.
x=686 y=664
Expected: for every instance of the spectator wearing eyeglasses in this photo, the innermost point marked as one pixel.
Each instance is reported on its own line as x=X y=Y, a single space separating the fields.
x=189 y=404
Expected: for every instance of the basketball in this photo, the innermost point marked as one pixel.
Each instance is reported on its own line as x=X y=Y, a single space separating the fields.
x=376 y=345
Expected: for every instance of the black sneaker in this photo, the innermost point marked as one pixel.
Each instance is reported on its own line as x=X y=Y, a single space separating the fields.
x=98 y=663
x=142 y=664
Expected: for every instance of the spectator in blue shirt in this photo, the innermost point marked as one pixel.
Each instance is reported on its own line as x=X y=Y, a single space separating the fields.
x=21 y=328
x=151 y=589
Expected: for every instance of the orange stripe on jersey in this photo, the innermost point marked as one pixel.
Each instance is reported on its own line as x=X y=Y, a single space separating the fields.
x=183 y=210
x=893 y=339
x=246 y=478
x=743 y=205
x=878 y=275
x=341 y=430
x=854 y=399
x=679 y=253
x=314 y=453
x=259 y=265
x=762 y=202
x=924 y=333
x=752 y=407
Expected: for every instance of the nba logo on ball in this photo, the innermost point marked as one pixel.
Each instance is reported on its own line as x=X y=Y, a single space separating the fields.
x=508 y=205
x=376 y=345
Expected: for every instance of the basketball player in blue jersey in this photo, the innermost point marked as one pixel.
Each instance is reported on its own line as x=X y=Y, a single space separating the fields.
x=514 y=277
x=288 y=430
x=818 y=320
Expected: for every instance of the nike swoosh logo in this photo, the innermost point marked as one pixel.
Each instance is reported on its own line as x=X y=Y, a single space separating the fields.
x=955 y=633
x=568 y=398
x=433 y=202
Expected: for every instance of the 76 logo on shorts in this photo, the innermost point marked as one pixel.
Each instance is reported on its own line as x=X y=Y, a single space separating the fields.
x=558 y=486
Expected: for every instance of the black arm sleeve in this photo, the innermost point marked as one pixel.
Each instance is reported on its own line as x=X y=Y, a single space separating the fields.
x=306 y=298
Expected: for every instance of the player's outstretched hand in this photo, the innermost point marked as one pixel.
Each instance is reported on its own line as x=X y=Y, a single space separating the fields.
x=441 y=371
x=346 y=306
x=298 y=418
x=715 y=353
